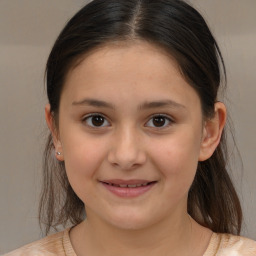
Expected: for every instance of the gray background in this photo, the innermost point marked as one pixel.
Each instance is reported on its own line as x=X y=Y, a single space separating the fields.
x=28 y=29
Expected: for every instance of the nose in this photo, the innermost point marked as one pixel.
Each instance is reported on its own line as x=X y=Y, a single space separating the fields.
x=126 y=150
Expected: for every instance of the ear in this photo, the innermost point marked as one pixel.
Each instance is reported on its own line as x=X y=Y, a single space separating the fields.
x=212 y=131
x=55 y=136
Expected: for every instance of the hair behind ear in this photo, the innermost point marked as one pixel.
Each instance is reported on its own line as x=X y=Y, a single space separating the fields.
x=59 y=205
x=212 y=200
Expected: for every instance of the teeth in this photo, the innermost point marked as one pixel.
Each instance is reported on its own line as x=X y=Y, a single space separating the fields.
x=132 y=186
x=128 y=185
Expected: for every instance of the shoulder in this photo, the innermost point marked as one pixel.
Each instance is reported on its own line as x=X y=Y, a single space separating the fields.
x=48 y=246
x=231 y=245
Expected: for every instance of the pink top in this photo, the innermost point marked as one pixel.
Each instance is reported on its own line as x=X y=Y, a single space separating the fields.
x=60 y=244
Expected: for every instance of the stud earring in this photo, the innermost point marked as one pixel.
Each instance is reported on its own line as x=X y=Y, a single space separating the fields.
x=58 y=153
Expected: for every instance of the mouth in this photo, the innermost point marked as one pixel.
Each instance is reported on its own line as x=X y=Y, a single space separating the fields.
x=128 y=188
x=123 y=185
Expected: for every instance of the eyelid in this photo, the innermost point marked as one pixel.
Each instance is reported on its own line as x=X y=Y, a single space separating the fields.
x=167 y=117
x=86 y=117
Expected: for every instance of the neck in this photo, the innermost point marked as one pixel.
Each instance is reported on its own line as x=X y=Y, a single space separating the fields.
x=173 y=236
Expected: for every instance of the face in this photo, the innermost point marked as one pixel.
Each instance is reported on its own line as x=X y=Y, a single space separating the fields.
x=130 y=133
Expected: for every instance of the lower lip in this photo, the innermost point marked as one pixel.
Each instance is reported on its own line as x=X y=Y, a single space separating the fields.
x=128 y=192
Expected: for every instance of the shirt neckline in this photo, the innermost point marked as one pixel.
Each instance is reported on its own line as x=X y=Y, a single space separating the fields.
x=213 y=245
x=69 y=250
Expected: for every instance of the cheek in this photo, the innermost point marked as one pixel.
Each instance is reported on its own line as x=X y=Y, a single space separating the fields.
x=177 y=159
x=83 y=156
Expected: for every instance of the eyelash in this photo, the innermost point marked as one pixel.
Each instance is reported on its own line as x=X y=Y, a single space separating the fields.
x=87 y=117
x=163 y=116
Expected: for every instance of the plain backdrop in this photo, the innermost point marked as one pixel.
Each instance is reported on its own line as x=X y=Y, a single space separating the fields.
x=28 y=29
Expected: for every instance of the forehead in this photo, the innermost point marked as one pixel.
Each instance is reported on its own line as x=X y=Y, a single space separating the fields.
x=127 y=69
x=130 y=56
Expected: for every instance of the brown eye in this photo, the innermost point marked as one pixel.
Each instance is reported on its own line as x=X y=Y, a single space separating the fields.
x=96 y=121
x=159 y=121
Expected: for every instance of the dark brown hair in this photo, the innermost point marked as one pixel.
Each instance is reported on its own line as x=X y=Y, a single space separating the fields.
x=179 y=29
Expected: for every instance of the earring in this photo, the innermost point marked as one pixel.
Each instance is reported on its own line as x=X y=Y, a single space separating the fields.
x=58 y=153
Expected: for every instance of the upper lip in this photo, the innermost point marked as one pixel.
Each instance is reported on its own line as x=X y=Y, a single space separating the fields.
x=127 y=182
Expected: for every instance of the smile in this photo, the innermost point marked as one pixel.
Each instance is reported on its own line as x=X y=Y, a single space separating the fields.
x=128 y=185
x=128 y=189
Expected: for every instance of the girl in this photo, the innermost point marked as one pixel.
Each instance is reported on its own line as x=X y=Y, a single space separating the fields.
x=136 y=159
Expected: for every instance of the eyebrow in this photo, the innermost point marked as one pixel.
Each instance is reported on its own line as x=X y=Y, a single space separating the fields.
x=162 y=103
x=94 y=103
x=145 y=105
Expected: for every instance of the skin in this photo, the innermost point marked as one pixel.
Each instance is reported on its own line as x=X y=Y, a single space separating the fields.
x=128 y=145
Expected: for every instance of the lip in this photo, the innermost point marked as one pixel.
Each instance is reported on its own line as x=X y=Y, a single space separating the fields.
x=128 y=192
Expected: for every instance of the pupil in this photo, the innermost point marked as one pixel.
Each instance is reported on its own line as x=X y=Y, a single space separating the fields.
x=159 y=121
x=97 y=120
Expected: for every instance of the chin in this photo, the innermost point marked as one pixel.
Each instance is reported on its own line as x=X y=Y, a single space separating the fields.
x=130 y=221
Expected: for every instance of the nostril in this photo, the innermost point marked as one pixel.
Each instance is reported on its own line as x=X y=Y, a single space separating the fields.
x=126 y=152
